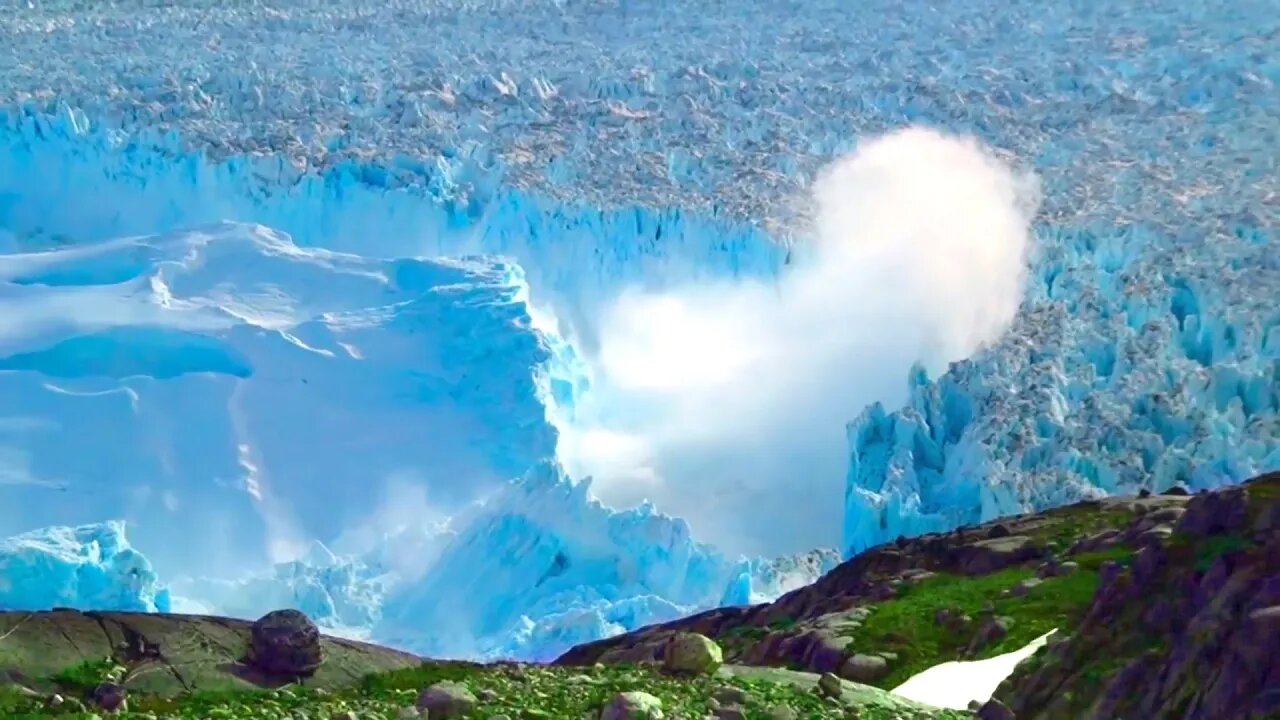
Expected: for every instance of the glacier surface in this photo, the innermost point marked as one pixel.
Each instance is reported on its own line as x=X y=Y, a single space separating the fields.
x=1146 y=346
x=262 y=392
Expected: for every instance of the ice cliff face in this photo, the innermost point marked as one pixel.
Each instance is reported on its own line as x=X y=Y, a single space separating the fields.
x=1140 y=360
x=91 y=566
x=266 y=393
x=531 y=572
x=544 y=567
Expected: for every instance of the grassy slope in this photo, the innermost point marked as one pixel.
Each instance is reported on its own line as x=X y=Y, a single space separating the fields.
x=517 y=692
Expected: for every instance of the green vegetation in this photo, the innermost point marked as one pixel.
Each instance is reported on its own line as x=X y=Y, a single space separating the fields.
x=89 y=674
x=908 y=626
x=1210 y=549
x=527 y=693
x=1064 y=526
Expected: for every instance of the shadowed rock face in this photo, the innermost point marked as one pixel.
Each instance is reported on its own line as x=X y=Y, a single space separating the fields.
x=166 y=654
x=1190 y=629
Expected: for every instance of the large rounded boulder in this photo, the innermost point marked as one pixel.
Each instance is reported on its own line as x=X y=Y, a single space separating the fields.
x=285 y=643
x=693 y=654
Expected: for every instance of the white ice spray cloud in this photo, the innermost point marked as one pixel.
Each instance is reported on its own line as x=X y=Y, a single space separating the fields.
x=726 y=403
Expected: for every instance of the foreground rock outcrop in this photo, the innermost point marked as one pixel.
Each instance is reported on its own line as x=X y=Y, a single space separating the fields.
x=1188 y=628
x=167 y=655
x=1166 y=606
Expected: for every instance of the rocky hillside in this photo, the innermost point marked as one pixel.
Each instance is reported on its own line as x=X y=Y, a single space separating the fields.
x=140 y=667
x=1166 y=606
x=164 y=654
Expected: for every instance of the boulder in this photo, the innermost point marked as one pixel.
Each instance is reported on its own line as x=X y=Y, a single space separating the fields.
x=995 y=710
x=692 y=653
x=285 y=643
x=110 y=697
x=634 y=705
x=445 y=700
x=830 y=685
x=864 y=669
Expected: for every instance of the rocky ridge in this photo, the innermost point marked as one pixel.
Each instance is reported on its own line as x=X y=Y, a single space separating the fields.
x=1165 y=605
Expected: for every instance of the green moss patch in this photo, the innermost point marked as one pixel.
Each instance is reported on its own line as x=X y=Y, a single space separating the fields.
x=907 y=625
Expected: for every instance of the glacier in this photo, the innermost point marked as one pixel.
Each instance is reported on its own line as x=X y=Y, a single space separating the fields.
x=91 y=566
x=567 y=161
x=263 y=392
x=1126 y=370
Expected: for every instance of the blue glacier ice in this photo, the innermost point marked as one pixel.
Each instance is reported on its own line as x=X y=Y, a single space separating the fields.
x=569 y=162
x=584 y=572
x=1138 y=361
x=267 y=393
x=91 y=566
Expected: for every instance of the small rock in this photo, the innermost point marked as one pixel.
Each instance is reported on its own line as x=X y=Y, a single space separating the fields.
x=730 y=712
x=346 y=715
x=56 y=700
x=1155 y=535
x=110 y=697
x=830 y=685
x=1166 y=515
x=995 y=710
x=730 y=695
x=1024 y=587
x=1068 y=567
x=409 y=713
x=782 y=712
x=487 y=695
x=864 y=668
x=285 y=643
x=692 y=653
x=991 y=631
x=445 y=700
x=634 y=705
x=1144 y=493
x=503 y=717
x=1177 y=491
x=998 y=530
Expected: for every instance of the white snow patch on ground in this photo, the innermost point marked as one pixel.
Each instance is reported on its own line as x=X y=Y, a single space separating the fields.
x=955 y=684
